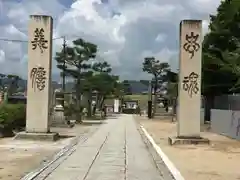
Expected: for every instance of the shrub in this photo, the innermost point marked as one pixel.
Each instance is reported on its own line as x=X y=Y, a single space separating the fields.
x=19 y=118
x=70 y=110
x=12 y=116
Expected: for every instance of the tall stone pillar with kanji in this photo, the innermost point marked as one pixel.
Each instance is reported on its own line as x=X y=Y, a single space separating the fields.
x=189 y=84
x=39 y=73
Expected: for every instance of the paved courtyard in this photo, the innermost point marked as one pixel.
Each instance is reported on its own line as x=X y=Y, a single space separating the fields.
x=115 y=151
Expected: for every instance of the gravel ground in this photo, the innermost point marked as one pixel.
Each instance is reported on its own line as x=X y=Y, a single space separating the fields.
x=18 y=157
x=217 y=161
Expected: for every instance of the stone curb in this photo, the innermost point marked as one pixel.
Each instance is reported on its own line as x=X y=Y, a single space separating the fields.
x=165 y=173
x=162 y=161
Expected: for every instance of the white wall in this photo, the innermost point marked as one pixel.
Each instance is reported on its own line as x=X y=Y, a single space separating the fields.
x=116 y=105
x=226 y=122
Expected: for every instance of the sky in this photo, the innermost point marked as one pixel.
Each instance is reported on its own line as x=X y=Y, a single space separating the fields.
x=125 y=31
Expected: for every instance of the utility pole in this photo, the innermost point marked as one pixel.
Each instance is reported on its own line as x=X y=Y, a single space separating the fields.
x=150 y=100
x=150 y=91
x=64 y=63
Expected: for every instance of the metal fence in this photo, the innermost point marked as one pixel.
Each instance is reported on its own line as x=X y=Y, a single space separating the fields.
x=227 y=102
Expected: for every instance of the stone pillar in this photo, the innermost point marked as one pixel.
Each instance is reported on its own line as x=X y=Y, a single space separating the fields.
x=190 y=78
x=39 y=80
x=39 y=73
x=189 y=88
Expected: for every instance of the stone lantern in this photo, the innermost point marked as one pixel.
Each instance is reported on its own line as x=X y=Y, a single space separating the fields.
x=59 y=100
x=59 y=119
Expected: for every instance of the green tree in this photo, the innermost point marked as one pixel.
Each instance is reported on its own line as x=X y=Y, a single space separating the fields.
x=100 y=82
x=13 y=81
x=87 y=88
x=220 y=48
x=172 y=85
x=102 y=67
x=2 y=82
x=120 y=88
x=77 y=64
x=159 y=71
x=9 y=83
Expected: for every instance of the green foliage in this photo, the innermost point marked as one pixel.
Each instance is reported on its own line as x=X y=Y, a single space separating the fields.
x=172 y=86
x=74 y=61
x=71 y=110
x=12 y=116
x=89 y=79
x=101 y=82
x=155 y=67
x=104 y=83
x=220 y=50
x=76 y=58
x=9 y=83
x=99 y=79
x=2 y=85
x=172 y=76
x=159 y=71
x=102 y=67
x=172 y=90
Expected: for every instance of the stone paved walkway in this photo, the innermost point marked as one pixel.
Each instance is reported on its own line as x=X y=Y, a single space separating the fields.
x=115 y=152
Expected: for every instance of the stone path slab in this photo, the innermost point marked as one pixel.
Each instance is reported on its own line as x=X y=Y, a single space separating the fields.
x=114 y=152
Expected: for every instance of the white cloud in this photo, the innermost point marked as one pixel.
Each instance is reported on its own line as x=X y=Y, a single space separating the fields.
x=204 y=6
x=161 y=38
x=205 y=25
x=164 y=55
x=2 y=56
x=83 y=18
x=125 y=31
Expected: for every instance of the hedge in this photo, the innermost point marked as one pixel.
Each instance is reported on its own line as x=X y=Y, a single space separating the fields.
x=12 y=116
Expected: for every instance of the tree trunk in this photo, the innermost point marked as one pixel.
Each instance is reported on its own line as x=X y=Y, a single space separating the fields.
x=89 y=112
x=78 y=100
x=208 y=105
x=99 y=100
x=155 y=99
x=89 y=104
x=102 y=102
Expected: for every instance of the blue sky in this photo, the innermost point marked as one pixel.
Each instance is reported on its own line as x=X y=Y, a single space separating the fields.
x=125 y=31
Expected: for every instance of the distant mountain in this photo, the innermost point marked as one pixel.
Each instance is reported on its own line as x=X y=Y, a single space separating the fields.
x=69 y=85
x=137 y=87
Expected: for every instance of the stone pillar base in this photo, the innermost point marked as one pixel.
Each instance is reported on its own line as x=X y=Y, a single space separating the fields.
x=37 y=136
x=187 y=140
